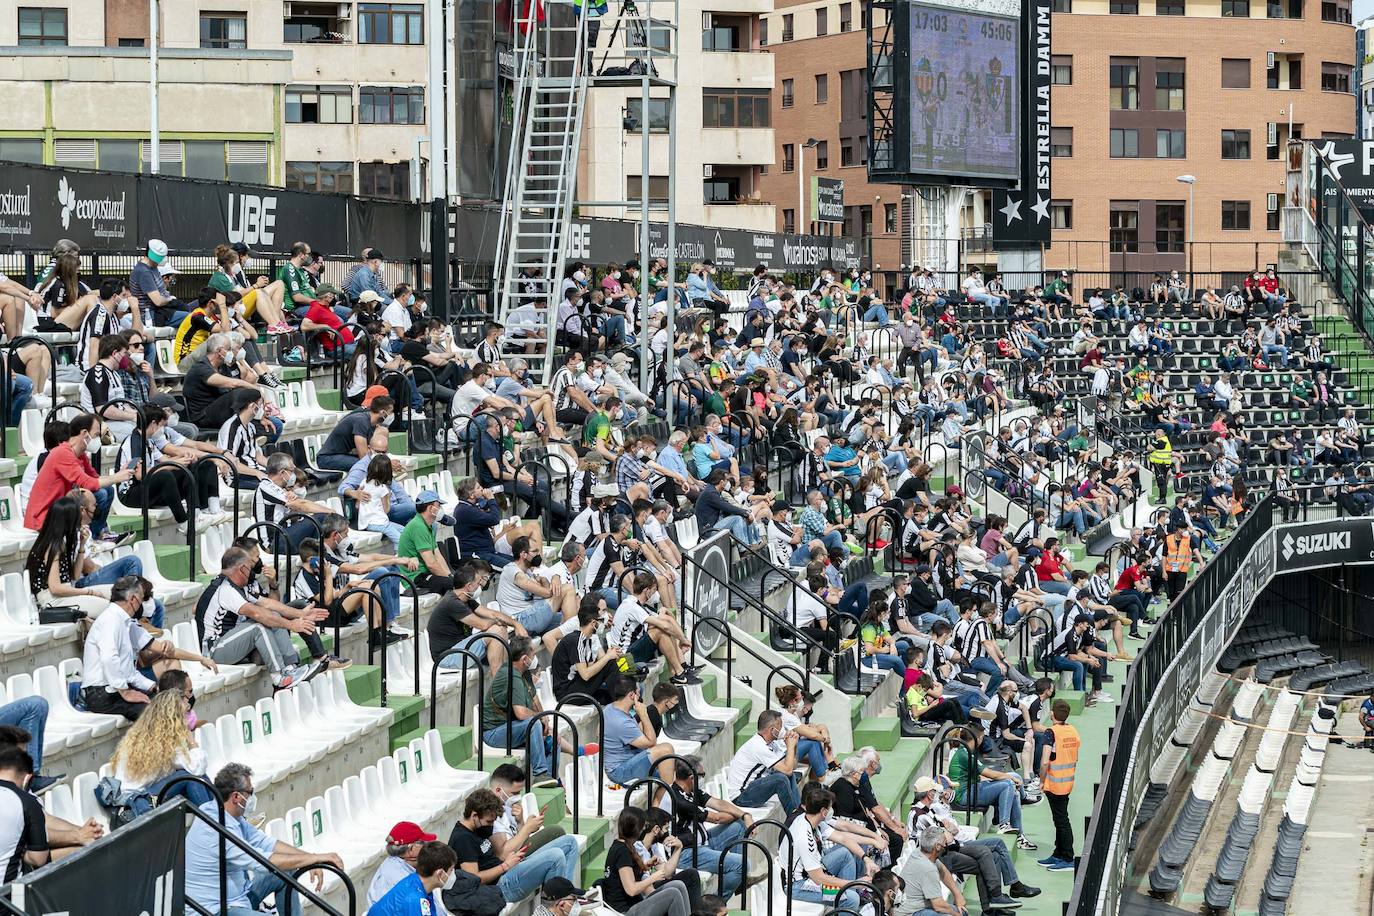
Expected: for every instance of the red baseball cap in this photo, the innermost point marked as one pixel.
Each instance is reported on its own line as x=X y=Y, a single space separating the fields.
x=405 y=833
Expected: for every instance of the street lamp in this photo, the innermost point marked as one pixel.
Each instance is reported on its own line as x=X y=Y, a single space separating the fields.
x=1189 y=180
x=811 y=143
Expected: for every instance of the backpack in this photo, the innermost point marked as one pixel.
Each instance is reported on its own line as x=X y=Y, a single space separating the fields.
x=470 y=897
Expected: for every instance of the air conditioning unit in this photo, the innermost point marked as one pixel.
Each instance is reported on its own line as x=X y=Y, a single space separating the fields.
x=1271 y=202
x=706 y=171
x=1272 y=132
x=706 y=22
x=1269 y=58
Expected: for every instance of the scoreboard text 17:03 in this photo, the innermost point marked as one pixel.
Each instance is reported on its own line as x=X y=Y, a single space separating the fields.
x=924 y=20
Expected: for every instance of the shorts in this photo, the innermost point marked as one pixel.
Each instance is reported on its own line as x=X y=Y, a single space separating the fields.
x=339 y=616
x=249 y=302
x=644 y=649
x=636 y=767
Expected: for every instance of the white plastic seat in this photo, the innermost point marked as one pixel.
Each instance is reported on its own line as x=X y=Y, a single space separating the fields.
x=331 y=694
x=203 y=680
x=401 y=794
x=168 y=589
x=271 y=760
x=277 y=732
x=292 y=419
x=296 y=726
x=369 y=812
x=346 y=835
x=19 y=627
x=427 y=756
x=83 y=797
x=14 y=538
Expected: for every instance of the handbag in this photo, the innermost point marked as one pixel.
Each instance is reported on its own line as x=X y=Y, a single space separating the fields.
x=61 y=614
x=121 y=805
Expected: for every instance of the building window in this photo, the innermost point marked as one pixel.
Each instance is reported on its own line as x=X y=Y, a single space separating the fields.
x=659 y=112
x=1235 y=144
x=1235 y=73
x=384 y=179
x=789 y=220
x=787 y=32
x=1169 y=226
x=735 y=107
x=315 y=23
x=1238 y=9
x=789 y=157
x=1235 y=214
x=1170 y=144
x=1274 y=75
x=335 y=177
x=44 y=25
x=889 y=218
x=1124 y=7
x=132 y=42
x=1123 y=228
x=1335 y=77
x=320 y=105
x=1125 y=143
x=823 y=154
x=1061 y=142
x=1062 y=6
x=847 y=17
x=391 y=105
x=846 y=151
x=1169 y=89
x=21 y=150
x=763 y=32
x=787 y=94
x=118 y=155
x=1271 y=216
x=1292 y=10
x=1169 y=7
x=822 y=88
x=224 y=30
x=822 y=22
x=658 y=188
x=1336 y=11
x=1061 y=214
x=1125 y=85
x=391 y=24
x=1061 y=70
x=718 y=190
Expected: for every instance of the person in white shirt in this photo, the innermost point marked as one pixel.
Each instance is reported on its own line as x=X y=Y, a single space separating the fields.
x=110 y=679
x=641 y=634
x=402 y=849
x=763 y=766
x=813 y=866
x=1222 y=392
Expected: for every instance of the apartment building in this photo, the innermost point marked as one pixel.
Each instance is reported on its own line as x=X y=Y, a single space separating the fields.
x=314 y=96
x=726 y=99
x=820 y=52
x=1145 y=91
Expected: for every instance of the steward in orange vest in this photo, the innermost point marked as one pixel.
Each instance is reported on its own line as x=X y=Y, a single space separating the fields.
x=1058 y=783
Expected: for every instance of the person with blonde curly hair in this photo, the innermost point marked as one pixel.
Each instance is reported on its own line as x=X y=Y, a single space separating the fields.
x=158 y=748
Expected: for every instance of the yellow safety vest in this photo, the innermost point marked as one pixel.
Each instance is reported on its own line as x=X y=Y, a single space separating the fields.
x=1059 y=777
x=1163 y=455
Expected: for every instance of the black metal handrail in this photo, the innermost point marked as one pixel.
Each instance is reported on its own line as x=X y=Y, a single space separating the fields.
x=190 y=503
x=217 y=825
x=556 y=715
x=535 y=468
x=583 y=700
x=339 y=359
x=369 y=597
x=12 y=346
x=951 y=735
x=745 y=843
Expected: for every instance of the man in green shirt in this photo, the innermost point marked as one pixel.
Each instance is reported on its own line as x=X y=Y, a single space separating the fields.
x=513 y=689
x=295 y=278
x=1058 y=289
x=418 y=541
x=993 y=787
x=716 y=400
x=596 y=432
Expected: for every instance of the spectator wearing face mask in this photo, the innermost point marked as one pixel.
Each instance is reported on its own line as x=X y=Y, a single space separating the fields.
x=349 y=440
x=403 y=844
x=584 y=662
x=67 y=467
x=111 y=681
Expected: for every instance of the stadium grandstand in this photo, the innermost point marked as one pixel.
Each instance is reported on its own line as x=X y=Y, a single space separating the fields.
x=658 y=586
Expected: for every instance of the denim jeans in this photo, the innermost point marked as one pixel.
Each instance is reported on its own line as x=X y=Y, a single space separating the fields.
x=1054 y=587
x=878 y=312
x=335 y=462
x=520 y=730
x=21 y=392
x=264 y=886
x=104 y=498
x=192 y=791
x=1001 y=855
x=967 y=696
x=558 y=859
x=835 y=861
x=1073 y=519
x=1059 y=663
x=390 y=530
x=810 y=750
x=944 y=610
x=887 y=662
x=632 y=769
x=390 y=591
x=1271 y=349
x=1002 y=794
x=737 y=526
x=854 y=601
x=775 y=785
x=985 y=665
x=30 y=714
x=708 y=856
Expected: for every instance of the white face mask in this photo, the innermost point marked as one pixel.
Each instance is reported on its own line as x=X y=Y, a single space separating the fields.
x=290 y=479
x=534 y=665
x=450 y=880
x=258 y=412
x=149 y=608
x=173 y=419
x=250 y=806
x=93 y=445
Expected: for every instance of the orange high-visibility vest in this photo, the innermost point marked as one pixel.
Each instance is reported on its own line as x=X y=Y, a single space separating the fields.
x=1178 y=553
x=1059 y=777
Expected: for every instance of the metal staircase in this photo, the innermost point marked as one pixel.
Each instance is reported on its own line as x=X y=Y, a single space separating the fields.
x=541 y=175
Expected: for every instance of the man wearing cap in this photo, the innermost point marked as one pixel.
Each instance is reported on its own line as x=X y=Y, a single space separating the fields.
x=716 y=513
x=365 y=275
x=419 y=541
x=436 y=869
x=559 y=897
x=159 y=306
x=321 y=314
x=403 y=846
x=992 y=862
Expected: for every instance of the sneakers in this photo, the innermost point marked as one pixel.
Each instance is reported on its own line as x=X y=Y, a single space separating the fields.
x=281 y=327
x=1054 y=863
x=1002 y=901
x=1024 y=842
x=1033 y=785
x=1006 y=827
x=1097 y=696
x=587 y=750
x=685 y=678
x=40 y=784
x=981 y=713
x=1018 y=889
x=334 y=663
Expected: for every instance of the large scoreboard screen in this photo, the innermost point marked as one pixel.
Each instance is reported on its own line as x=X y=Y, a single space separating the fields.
x=965 y=93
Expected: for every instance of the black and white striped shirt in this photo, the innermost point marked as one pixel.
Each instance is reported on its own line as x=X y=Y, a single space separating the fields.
x=240 y=440
x=1065 y=642
x=269 y=505
x=100 y=386
x=972 y=646
x=488 y=353
x=1099 y=588
x=600 y=568
x=97 y=323
x=562 y=381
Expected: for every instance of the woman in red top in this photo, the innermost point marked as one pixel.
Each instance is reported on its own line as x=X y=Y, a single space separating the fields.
x=1050 y=569
x=67 y=467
